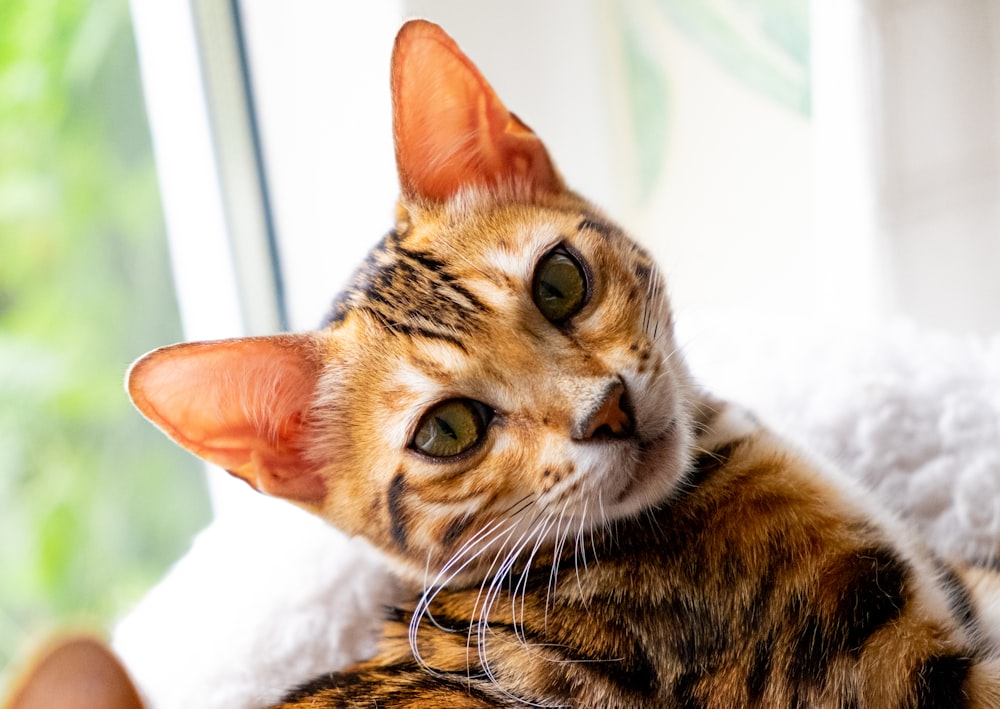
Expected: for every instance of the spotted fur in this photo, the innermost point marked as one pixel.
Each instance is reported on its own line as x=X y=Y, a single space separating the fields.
x=760 y=581
x=617 y=537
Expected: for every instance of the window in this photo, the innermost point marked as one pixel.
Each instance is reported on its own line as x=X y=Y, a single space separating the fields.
x=94 y=503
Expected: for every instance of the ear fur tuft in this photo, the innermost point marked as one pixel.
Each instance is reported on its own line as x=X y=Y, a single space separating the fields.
x=452 y=132
x=242 y=404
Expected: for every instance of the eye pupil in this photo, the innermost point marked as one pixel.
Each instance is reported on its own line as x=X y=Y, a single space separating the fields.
x=560 y=285
x=445 y=428
x=451 y=428
x=551 y=291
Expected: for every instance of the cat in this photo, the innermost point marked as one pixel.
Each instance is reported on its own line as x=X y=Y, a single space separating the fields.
x=497 y=402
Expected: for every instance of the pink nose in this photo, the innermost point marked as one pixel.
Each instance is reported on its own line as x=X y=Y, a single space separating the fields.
x=608 y=416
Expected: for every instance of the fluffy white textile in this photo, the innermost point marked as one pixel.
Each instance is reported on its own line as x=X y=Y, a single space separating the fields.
x=267 y=597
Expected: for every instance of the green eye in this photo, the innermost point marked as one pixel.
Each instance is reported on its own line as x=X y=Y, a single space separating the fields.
x=560 y=287
x=451 y=428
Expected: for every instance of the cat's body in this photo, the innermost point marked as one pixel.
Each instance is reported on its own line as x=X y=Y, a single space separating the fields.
x=761 y=583
x=498 y=404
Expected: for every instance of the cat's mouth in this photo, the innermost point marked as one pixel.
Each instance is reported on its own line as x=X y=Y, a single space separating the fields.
x=656 y=471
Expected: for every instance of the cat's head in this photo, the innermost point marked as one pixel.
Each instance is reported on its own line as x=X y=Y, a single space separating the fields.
x=500 y=372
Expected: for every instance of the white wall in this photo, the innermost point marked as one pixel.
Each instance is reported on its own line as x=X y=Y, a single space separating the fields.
x=936 y=110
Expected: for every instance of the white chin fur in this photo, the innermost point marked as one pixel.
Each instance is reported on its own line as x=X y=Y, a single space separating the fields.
x=618 y=479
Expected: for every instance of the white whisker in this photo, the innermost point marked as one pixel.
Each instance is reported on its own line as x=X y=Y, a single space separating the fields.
x=471 y=550
x=578 y=554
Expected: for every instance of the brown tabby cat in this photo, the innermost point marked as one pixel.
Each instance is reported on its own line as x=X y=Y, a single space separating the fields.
x=498 y=403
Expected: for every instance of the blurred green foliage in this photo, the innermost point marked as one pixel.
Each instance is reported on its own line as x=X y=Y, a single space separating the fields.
x=94 y=503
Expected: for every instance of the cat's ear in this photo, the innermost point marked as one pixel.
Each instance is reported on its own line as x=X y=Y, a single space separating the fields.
x=74 y=673
x=451 y=129
x=241 y=404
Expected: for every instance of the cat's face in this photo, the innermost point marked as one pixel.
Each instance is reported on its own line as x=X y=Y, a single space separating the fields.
x=466 y=394
x=501 y=374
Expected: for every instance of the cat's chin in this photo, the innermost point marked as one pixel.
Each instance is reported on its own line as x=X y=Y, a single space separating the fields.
x=655 y=475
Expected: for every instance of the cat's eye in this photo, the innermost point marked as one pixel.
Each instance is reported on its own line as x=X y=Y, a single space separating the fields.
x=452 y=428
x=560 y=285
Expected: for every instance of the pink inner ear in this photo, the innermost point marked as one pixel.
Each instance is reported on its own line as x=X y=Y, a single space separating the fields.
x=240 y=404
x=451 y=129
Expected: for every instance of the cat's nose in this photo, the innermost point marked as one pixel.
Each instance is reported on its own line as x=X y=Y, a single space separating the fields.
x=608 y=415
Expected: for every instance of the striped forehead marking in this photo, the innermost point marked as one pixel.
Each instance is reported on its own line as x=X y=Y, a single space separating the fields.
x=412 y=293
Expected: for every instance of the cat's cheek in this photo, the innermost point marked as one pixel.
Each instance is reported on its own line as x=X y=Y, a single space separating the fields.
x=573 y=480
x=656 y=400
x=661 y=469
